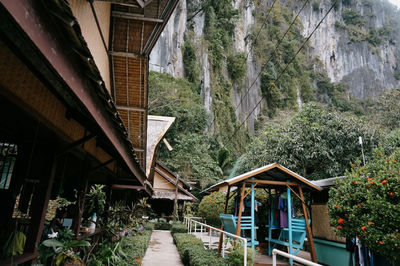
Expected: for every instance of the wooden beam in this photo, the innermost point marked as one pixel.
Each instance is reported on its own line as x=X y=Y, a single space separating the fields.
x=131 y=108
x=119 y=186
x=125 y=54
x=225 y=211
x=240 y=209
x=118 y=14
x=120 y=2
x=276 y=183
x=251 y=189
x=308 y=228
x=296 y=194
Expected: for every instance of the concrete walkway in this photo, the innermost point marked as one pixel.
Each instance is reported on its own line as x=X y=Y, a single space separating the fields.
x=161 y=250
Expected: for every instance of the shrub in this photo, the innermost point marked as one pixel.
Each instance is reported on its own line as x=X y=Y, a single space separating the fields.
x=128 y=251
x=315 y=5
x=237 y=254
x=178 y=227
x=237 y=67
x=212 y=205
x=192 y=251
x=352 y=17
x=162 y=225
x=366 y=204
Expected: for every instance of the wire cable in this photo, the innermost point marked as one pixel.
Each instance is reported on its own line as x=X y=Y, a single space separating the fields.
x=268 y=60
x=284 y=70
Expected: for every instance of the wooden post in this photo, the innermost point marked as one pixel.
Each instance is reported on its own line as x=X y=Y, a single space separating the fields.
x=289 y=214
x=176 y=199
x=240 y=209
x=225 y=211
x=308 y=228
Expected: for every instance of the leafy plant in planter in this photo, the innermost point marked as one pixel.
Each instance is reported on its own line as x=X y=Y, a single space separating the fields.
x=61 y=249
x=96 y=199
x=367 y=204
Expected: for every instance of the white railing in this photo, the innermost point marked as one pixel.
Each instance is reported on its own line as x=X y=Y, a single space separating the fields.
x=290 y=256
x=199 y=227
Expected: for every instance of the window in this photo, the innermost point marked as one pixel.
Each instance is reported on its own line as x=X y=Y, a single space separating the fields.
x=8 y=154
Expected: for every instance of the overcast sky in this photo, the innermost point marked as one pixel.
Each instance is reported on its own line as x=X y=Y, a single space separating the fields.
x=396 y=2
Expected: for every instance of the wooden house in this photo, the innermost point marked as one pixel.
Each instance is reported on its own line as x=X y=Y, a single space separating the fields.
x=73 y=103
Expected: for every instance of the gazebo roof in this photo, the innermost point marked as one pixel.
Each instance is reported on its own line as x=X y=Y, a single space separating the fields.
x=274 y=173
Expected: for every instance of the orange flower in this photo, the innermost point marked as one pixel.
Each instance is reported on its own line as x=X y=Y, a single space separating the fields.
x=370 y=178
x=372 y=182
x=387 y=160
x=380 y=242
x=340 y=220
x=371 y=223
x=337 y=206
x=358 y=205
x=355 y=182
x=138 y=261
x=339 y=227
x=391 y=193
x=384 y=182
x=353 y=164
x=379 y=154
x=363 y=228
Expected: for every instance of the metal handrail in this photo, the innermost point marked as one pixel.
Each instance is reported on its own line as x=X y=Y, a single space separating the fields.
x=290 y=256
x=189 y=222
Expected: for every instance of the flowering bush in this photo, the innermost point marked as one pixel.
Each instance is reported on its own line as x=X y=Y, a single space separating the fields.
x=366 y=204
x=212 y=205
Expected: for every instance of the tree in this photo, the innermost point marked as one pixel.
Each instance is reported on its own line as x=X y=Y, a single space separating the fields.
x=316 y=142
x=366 y=204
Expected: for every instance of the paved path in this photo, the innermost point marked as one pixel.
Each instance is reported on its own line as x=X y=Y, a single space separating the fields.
x=161 y=250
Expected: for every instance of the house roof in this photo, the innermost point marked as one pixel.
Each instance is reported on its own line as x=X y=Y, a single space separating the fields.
x=171 y=178
x=157 y=126
x=327 y=182
x=270 y=172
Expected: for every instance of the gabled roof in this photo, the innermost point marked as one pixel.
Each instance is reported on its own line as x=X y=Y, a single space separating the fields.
x=157 y=127
x=270 y=172
x=171 y=178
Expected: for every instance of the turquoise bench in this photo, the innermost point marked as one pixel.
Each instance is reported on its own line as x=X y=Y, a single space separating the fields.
x=298 y=236
x=229 y=223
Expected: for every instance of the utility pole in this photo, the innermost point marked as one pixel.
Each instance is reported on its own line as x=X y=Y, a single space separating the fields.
x=360 y=140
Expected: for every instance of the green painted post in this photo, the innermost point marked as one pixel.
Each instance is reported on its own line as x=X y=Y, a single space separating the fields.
x=289 y=206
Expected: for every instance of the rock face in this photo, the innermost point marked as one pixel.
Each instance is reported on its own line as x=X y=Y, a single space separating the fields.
x=367 y=70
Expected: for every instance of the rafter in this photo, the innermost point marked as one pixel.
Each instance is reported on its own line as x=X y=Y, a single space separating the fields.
x=118 y=14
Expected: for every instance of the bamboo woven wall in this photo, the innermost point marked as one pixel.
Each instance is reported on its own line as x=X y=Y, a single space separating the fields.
x=320 y=224
x=18 y=82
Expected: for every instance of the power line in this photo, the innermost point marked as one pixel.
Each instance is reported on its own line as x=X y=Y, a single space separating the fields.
x=269 y=59
x=286 y=67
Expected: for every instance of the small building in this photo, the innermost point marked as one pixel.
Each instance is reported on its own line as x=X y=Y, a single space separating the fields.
x=163 y=180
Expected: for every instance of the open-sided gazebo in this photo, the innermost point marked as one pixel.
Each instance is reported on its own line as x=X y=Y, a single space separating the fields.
x=277 y=177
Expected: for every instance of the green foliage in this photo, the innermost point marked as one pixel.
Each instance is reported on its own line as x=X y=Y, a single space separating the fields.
x=63 y=248
x=191 y=66
x=162 y=225
x=366 y=204
x=392 y=141
x=178 y=227
x=236 y=256
x=397 y=74
x=315 y=5
x=316 y=143
x=387 y=109
x=212 y=205
x=192 y=252
x=281 y=93
x=128 y=251
x=352 y=17
x=237 y=67
x=96 y=199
